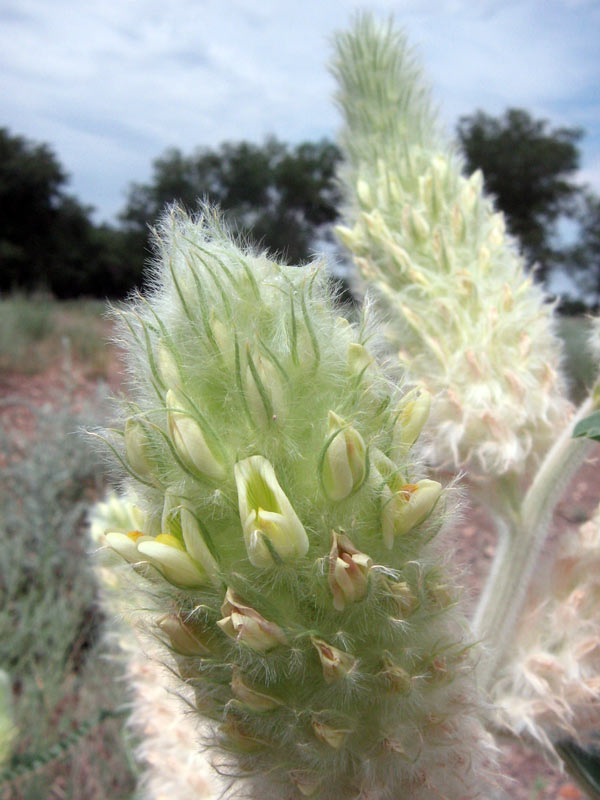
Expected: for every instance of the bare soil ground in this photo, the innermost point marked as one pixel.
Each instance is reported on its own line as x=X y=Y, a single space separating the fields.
x=528 y=775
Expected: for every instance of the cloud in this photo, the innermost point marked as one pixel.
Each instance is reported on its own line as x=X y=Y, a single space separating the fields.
x=110 y=85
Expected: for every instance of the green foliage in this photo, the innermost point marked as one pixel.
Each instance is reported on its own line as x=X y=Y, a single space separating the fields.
x=589 y=427
x=528 y=168
x=274 y=194
x=47 y=238
x=48 y=624
x=584 y=766
x=584 y=256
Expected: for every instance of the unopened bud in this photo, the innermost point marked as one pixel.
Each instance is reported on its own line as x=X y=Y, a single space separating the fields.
x=265 y=392
x=167 y=366
x=336 y=663
x=345 y=461
x=256 y=701
x=364 y=192
x=334 y=737
x=244 y=624
x=359 y=358
x=267 y=514
x=348 y=572
x=182 y=637
x=137 y=448
x=408 y=507
x=396 y=678
x=306 y=782
x=413 y=413
x=239 y=738
x=419 y=225
x=402 y=595
x=189 y=441
x=350 y=238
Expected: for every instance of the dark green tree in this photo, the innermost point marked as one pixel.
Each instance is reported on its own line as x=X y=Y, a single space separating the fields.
x=528 y=166
x=584 y=256
x=47 y=237
x=279 y=196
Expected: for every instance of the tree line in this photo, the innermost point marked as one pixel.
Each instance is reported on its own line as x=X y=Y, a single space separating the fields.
x=284 y=198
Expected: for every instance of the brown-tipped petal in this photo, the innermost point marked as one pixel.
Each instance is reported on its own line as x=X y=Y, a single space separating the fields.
x=242 y=623
x=334 y=737
x=348 y=571
x=336 y=663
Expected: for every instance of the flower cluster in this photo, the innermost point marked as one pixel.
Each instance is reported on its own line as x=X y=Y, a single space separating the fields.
x=288 y=546
x=464 y=319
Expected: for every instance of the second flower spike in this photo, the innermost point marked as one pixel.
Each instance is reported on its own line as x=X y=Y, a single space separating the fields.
x=271 y=527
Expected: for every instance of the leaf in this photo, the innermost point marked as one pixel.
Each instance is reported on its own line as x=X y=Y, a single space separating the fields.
x=588 y=427
x=583 y=765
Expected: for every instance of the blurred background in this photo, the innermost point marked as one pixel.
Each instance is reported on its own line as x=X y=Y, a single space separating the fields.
x=111 y=110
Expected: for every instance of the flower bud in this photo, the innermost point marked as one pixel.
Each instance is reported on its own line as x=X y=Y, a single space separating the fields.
x=332 y=736
x=307 y=783
x=267 y=514
x=402 y=595
x=344 y=465
x=244 y=624
x=256 y=701
x=125 y=544
x=348 y=571
x=188 y=439
x=137 y=448
x=264 y=392
x=168 y=554
x=349 y=237
x=412 y=416
x=408 y=507
x=167 y=366
x=239 y=737
x=364 y=192
x=182 y=637
x=419 y=225
x=359 y=358
x=396 y=678
x=336 y=663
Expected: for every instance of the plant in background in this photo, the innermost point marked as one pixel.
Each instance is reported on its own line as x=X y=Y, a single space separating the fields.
x=469 y=326
x=289 y=561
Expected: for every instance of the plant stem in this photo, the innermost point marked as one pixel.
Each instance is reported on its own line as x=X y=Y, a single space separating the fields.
x=521 y=538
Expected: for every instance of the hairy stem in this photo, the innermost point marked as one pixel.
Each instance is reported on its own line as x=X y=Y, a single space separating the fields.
x=521 y=539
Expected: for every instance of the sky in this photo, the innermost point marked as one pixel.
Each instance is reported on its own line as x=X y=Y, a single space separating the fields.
x=110 y=85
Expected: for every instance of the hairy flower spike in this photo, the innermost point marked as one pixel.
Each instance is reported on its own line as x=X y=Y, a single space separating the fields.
x=300 y=644
x=434 y=251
